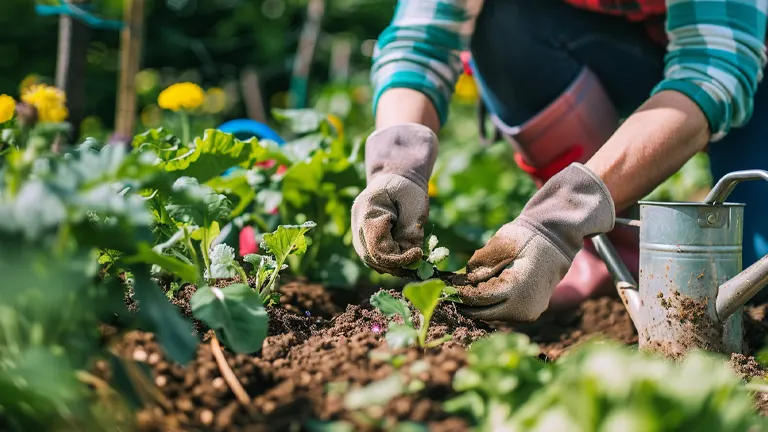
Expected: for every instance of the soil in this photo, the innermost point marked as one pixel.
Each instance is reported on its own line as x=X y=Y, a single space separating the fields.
x=317 y=351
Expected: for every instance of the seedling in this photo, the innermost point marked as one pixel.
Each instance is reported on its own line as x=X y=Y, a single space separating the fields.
x=432 y=256
x=425 y=296
x=285 y=241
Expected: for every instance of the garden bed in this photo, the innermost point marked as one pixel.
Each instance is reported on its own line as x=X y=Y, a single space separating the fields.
x=323 y=343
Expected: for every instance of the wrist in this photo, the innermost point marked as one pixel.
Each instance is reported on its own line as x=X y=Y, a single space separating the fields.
x=405 y=149
x=572 y=205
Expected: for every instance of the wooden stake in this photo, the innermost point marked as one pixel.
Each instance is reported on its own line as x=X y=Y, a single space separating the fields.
x=305 y=53
x=254 y=104
x=341 y=52
x=74 y=37
x=130 y=47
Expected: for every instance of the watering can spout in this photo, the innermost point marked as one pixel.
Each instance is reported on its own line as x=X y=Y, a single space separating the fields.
x=737 y=291
x=622 y=277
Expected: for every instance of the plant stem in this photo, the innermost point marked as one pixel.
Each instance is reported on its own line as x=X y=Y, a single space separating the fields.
x=204 y=248
x=184 y=127
x=195 y=259
x=242 y=273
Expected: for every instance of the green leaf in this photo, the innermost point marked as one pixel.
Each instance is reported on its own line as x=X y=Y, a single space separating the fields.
x=237 y=312
x=236 y=186
x=145 y=254
x=300 y=121
x=176 y=335
x=303 y=148
x=401 y=335
x=211 y=155
x=425 y=270
x=302 y=182
x=193 y=203
x=287 y=240
x=425 y=296
x=391 y=306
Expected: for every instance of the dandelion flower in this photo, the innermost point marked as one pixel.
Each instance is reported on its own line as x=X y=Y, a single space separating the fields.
x=49 y=101
x=7 y=108
x=181 y=96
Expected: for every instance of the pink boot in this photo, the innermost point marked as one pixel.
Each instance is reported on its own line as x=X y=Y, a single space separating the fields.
x=589 y=277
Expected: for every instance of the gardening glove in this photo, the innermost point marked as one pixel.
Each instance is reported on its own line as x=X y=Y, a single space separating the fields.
x=388 y=217
x=513 y=276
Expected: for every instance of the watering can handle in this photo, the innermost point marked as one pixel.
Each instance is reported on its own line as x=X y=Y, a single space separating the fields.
x=735 y=292
x=725 y=185
x=622 y=277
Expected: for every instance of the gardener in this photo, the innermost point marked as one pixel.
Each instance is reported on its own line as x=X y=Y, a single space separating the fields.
x=556 y=76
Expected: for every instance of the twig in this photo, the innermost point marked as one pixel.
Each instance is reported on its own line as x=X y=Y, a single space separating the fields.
x=230 y=378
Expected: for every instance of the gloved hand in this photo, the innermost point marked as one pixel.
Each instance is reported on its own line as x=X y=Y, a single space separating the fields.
x=388 y=217
x=513 y=276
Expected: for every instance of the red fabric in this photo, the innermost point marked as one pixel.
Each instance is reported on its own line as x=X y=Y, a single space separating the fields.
x=651 y=12
x=545 y=173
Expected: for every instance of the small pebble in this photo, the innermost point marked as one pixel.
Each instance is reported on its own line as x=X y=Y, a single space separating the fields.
x=140 y=356
x=161 y=381
x=154 y=358
x=206 y=417
x=218 y=383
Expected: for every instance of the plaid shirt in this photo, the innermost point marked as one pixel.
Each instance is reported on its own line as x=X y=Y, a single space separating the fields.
x=716 y=50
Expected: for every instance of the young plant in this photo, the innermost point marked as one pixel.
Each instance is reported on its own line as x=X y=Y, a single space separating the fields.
x=432 y=256
x=425 y=296
x=287 y=240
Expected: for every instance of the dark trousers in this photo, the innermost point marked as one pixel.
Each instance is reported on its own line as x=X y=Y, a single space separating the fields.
x=526 y=53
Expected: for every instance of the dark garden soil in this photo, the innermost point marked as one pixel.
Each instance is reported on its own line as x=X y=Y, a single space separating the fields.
x=318 y=350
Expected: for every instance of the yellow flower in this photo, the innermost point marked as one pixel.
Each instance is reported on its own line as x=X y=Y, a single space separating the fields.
x=7 y=108
x=50 y=102
x=466 y=88
x=186 y=96
x=432 y=190
x=28 y=82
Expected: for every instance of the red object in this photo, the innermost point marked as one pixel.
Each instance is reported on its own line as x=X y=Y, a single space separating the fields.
x=545 y=173
x=465 y=58
x=266 y=164
x=651 y=12
x=281 y=170
x=248 y=243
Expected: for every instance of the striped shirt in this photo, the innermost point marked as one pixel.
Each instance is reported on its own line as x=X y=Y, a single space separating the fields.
x=716 y=50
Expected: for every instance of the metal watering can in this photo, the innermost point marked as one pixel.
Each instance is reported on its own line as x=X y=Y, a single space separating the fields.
x=692 y=287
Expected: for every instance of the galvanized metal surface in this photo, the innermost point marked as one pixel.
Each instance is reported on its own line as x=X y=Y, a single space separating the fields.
x=686 y=252
x=691 y=288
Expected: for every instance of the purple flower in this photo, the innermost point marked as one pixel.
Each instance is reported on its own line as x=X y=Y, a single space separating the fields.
x=307 y=313
x=376 y=328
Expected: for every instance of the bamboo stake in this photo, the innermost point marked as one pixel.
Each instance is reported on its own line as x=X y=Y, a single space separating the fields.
x=130 y=46
x=70 y=65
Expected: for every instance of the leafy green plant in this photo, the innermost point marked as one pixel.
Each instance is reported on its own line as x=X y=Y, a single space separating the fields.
x=599 y=386
x=425 y=296
x=431 y=257
x=286 y=241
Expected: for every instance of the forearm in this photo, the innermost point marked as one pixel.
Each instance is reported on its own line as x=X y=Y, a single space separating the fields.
x=651 y=145
x=403 y=105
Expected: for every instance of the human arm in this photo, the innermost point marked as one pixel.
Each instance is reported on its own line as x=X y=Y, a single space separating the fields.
x=416 y=65
x=715 y=61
